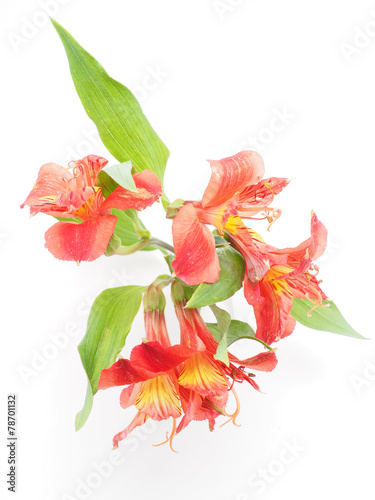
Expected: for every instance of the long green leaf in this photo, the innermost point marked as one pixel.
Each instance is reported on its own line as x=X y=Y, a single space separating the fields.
x=230 y=279
x=328 y=319
x=122 y=126
x=109 y=323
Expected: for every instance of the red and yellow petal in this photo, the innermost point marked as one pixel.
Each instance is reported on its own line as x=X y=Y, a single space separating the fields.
x=196 y=258
x=80 y=242
x=231 y=175
x=158 y=397
x=273 y=316
x=148 y=191
x=203 y=374
x=251 y=246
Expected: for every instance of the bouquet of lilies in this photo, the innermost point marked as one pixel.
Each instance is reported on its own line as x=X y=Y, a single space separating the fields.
x=214 y=255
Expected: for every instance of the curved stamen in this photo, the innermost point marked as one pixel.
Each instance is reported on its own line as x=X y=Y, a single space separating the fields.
x=170 y=438
x=272 y=214
x=233 y=416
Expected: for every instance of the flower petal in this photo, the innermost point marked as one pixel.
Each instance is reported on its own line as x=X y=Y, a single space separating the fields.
x=73 y=200
x=203 y=374
x=52 y=180
x=138 y=420
x=196 y=258
x=78 y=242
x=251 y=246
x=158 y=397
x=231 y=175
x=129 y=394
x=264 y=361
x=273 y=319
x=149 y=190
x=122 y=373
x=313 y=247
x=263 y=192
x=154 y=358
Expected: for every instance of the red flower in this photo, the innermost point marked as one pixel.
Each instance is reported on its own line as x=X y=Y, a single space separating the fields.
x=291 y=275
x=164 y=380
x=149 y=374
x=235 y=189
x=75 y=195
x=204 y=381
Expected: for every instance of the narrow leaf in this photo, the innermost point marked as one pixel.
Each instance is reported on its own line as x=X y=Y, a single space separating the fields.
x=232 y=272
x=109 y=323
x=328 y=319
x=122 y=126
x=83 y=415
x=223 y=322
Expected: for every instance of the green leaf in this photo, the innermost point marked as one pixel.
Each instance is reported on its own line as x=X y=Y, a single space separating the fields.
x=236 y=330
x=109 y=323
x=219 y=241
x=83 y=415
x=68 y=219
x=106 y=183
x=122 y=175
x=230 y=279
x=126 y=226
x=122 y=126
x=328 y=319
x=223 y=322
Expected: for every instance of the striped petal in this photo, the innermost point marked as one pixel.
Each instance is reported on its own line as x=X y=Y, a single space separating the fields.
x=80 y=242
x=196 y=258
x=148 y=191
x=138 y=420
x=251 y=246
x=265 y=361
x=231 y=175
x=147 y=360
x=52 y=180
x=158 y=398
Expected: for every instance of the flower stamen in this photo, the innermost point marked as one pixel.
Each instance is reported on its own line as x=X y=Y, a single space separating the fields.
x=233 y=416
x=170 y=438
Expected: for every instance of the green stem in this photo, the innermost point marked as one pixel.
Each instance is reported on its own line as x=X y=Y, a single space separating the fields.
x=118 y=249
x=161 y=244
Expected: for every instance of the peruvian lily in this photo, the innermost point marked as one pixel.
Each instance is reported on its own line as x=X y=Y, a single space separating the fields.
x=205 y=381
x=152 y=385
x=235 y=189
x=292 y=274
x=72 y=193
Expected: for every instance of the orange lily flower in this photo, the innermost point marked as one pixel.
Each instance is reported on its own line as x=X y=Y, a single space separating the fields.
x=234 y=189
x=73 y=194
x=291 y=274
x=204 y=381
x=152 y=385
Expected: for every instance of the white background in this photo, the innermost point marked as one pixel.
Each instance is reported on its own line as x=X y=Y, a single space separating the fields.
x=226 y=69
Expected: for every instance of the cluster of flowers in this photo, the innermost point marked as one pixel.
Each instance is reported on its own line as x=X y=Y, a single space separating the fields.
x=164 y=380
x=161 y=380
